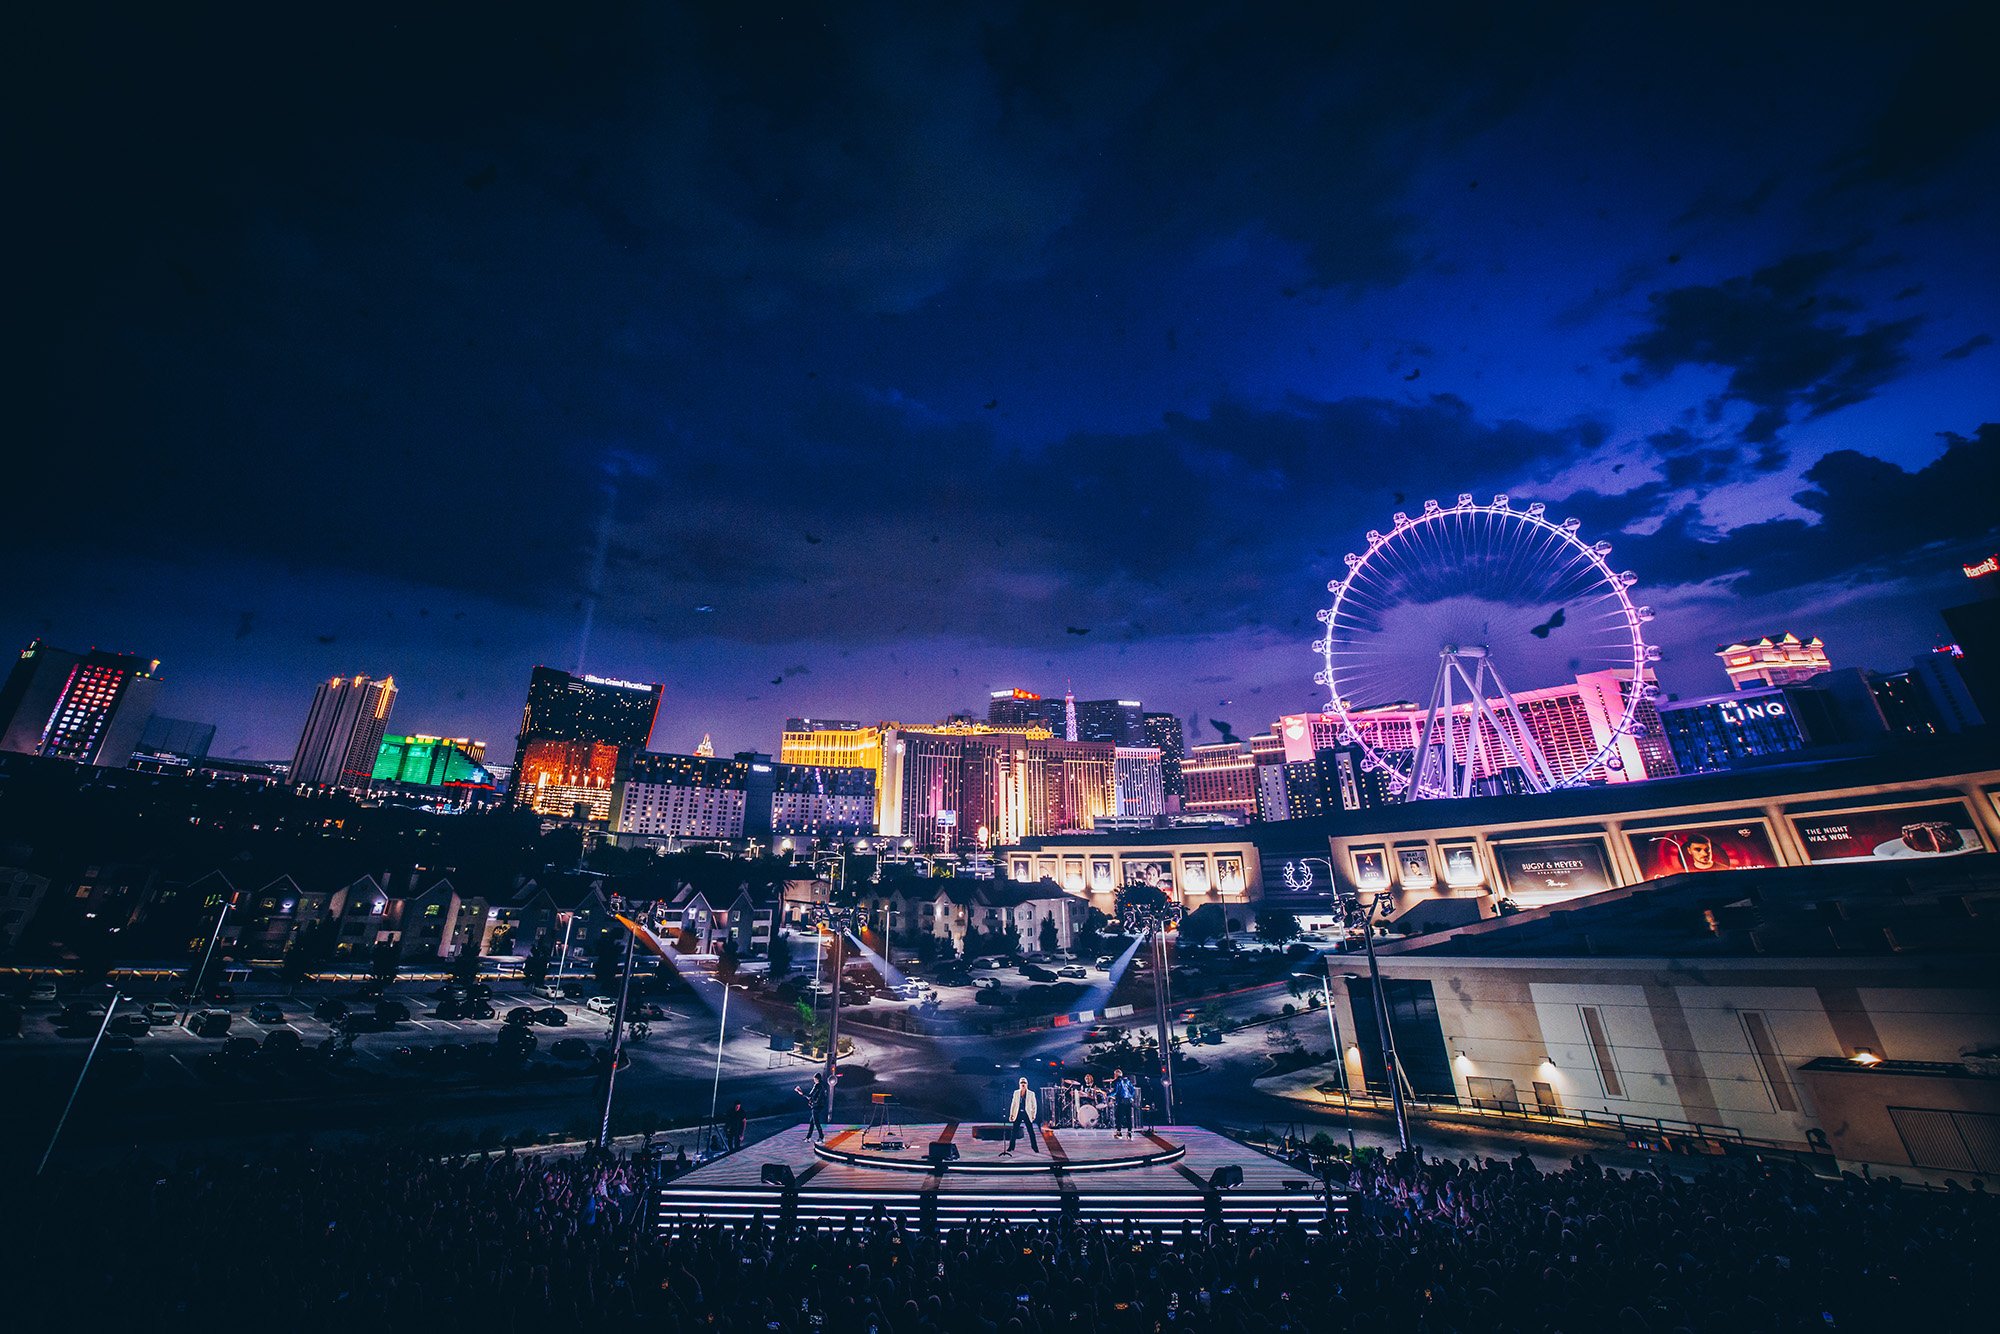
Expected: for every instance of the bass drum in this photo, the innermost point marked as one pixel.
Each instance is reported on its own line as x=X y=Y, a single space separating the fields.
x=1086 y=1117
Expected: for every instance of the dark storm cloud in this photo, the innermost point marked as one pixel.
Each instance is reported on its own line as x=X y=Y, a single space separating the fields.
x=1787 y=341
x=1875 y=523
x=1203 y=524
x=1940 y=107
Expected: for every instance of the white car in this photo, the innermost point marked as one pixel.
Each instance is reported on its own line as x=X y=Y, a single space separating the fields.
x=159 y=1012
x=986 y=983
x=46 y=991
x=600 y=1005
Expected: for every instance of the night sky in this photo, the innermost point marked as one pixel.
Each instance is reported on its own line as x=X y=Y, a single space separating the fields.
x=859 y=358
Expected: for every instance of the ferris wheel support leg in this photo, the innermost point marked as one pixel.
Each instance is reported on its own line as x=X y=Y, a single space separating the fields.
x=1420 y=763
x=1475 y=739
x=1548 y=775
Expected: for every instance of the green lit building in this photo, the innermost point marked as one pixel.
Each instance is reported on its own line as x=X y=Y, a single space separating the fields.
x=432 y=761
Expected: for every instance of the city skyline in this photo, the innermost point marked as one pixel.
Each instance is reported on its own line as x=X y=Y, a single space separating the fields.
x=814 y=401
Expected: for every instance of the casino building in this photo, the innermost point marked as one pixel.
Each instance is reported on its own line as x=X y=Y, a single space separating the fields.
x=1444 y=863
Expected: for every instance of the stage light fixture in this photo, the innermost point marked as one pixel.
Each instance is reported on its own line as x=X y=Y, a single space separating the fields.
x=942 y=1151
x=1225 y=1176
x=779 y=1174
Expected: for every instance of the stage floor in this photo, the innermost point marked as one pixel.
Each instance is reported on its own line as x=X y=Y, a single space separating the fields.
x=1162 y=1176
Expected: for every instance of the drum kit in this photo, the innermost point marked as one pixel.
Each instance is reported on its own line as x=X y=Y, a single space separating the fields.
x=1073 y=1106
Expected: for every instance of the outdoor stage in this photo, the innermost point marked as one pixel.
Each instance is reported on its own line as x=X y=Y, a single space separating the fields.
x=1162 y=1176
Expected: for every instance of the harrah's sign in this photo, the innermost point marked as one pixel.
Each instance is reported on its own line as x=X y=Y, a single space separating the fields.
x=1988 y=566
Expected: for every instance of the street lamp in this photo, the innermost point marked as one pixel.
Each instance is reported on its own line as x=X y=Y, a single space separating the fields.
x=842 y=919
x=1325 y=985
x=109 y=1006
x=1156 y=919
x=721 y=1030
x=1385 y=1033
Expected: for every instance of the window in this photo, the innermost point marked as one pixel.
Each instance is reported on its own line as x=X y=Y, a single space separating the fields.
x=1776 y=1081
x=1600 y=1050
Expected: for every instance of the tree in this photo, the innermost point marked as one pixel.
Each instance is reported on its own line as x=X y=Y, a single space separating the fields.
x=535 y=972
x=610 y=961
x=780 y=954
x=304 y=955
x=385 y=961
x=1204 y=923
x=1089 y=936
x=465 y=964
x=1051 y=934
x=1276 y=925
x=726 y=962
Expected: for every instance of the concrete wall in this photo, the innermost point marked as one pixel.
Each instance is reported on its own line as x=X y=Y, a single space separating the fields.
x=1679 y=1043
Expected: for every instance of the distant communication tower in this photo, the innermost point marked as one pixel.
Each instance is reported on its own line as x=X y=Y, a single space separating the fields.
x=1069 y=715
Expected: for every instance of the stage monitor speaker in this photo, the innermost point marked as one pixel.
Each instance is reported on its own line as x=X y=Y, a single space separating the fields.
x=942 y=1151
x=1225 y=1176
x=779 y=1174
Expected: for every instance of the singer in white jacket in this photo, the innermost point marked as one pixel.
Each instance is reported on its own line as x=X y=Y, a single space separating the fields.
x=1021 y=1115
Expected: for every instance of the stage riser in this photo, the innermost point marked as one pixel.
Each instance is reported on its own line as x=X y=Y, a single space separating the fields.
x=837 y=1211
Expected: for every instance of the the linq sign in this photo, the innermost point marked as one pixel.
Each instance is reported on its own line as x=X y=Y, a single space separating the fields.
x=1770 y=708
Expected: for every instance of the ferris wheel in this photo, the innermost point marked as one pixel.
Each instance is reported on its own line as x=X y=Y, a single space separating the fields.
x=1431 y=613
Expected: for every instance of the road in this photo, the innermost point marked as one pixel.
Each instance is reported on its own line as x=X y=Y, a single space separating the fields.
x=186 y=1095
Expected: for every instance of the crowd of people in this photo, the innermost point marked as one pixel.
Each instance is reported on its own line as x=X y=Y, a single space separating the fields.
x=368 y=1239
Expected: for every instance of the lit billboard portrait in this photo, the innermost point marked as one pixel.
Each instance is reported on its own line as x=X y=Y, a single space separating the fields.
x=1413 y=868
x=1722 y=847
x=1940 y=830
x=1371 y=868
x=1461 y=865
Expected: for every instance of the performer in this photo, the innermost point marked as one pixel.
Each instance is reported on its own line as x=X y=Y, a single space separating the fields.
x=1021 y=1113
x=734 y=1125
x=816 y=1101
x=1124 y=1096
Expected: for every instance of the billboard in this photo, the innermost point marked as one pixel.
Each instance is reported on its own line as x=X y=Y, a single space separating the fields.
x=1157 y=872
x=1554 y=870
x=1717 y=847
x=1942 y=829
x=1371 y=868
x=1413 y=868
x=1461 y=865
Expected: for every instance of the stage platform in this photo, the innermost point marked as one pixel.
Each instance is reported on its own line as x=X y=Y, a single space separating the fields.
x=1163 y=1176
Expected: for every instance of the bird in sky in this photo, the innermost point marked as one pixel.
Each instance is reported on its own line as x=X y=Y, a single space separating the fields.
x=1553 y=623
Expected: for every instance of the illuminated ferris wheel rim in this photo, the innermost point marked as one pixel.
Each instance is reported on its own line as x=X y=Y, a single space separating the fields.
x=1533 y=518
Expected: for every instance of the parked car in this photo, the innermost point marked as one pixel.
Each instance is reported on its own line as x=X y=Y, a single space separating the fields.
x=1073 y=970
x=160 y=1012
x=210 y=1023
x=267 y=1012
x=330 y=1011
x=1105 y=961
x=394 y=1011
x=212 y=992
x=81 y=1014
x=575 y=990
x=992 y=961
x=600 y=1004
x=479 y=1009
x=517 y=1040
x=986 y=983
x=551 y=1017
x=545 y=991
x=650 y=1012
x=1101 y=1033
x=365 y=1023
x=42 y=991
x=132 y=1025
x=283 y=1042
x=570 y=1049
x=233 y=1048
x=521 y=1014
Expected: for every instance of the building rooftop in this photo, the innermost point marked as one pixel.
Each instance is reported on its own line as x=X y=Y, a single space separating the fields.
x=1948 y=906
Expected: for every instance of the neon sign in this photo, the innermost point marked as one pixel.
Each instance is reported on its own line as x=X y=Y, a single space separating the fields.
x=1988 y=566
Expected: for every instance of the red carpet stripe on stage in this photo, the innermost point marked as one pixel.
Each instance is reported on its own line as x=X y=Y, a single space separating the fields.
x=950 y=1129
x=1200 y=1183
x=1056 y=1150
x=810 y=1172
x=843 y=1137
x=1165 y=1144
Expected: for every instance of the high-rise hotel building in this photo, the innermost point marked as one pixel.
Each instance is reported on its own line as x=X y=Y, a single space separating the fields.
x=575 y=731
x=1163 y=732
x=343 y=733
x=89 y=708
